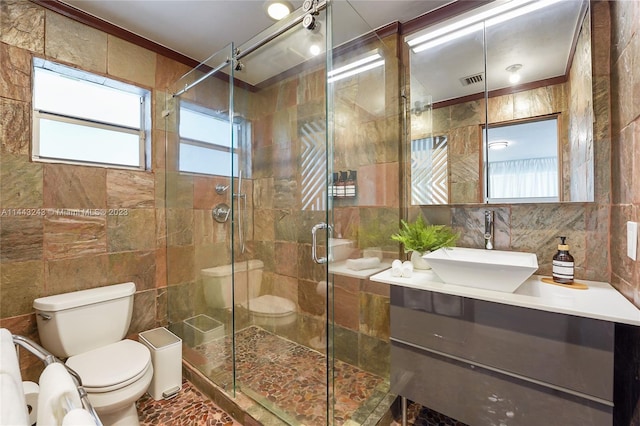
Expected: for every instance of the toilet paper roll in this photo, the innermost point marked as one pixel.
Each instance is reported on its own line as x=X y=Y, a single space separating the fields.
x=78 y=417
x=31 y=391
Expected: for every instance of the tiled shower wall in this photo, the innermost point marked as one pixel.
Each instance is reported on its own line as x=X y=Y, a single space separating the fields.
x=59 y=248
x=624 y=63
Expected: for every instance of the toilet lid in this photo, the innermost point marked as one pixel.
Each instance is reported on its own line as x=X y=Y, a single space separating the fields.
x=111 y=367
x=272 y=306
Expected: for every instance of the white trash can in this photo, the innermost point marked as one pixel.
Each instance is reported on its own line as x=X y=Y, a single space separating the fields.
x=166 y=358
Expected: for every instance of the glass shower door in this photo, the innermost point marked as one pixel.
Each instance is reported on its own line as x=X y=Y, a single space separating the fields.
x=261 y=311
x=200 y=170
x=281 y=292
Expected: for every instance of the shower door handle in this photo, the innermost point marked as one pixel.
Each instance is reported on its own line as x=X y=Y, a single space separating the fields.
x=314 y=242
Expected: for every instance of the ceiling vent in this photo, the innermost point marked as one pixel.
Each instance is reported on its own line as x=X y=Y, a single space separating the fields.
x=472 y=79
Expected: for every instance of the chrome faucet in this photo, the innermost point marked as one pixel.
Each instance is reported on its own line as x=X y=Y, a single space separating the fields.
x=488 y=229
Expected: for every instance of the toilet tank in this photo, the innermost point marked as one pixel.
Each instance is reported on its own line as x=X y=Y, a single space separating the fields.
x=217 y=283
x=76 y=322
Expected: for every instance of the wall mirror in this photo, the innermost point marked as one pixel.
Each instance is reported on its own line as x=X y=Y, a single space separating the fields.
x=506 y=87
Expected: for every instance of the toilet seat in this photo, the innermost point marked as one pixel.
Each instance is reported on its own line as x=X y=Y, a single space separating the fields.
x=271 y=306
x=111 y=367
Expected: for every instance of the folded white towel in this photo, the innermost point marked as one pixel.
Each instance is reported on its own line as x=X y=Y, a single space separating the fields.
x=407 y=269
x=58 y=393
x=13 y=408
x=8 y=356
x=363 y=263
x=78 y=417
x=396 y=268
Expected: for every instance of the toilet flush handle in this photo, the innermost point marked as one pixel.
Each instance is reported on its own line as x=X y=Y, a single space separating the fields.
x=45 y=317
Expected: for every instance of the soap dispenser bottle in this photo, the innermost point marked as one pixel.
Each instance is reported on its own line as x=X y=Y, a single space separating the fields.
x=563 y=265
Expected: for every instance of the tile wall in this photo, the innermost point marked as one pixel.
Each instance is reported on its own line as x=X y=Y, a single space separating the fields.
x=624 y=62
x=57 y=246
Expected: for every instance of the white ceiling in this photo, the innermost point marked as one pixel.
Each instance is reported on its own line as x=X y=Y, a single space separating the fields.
x=198 y=28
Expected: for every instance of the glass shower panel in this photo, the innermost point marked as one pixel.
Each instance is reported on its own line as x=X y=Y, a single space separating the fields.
x=365 y=119
x=280 y=291
x=254 y=137
x=200 y=166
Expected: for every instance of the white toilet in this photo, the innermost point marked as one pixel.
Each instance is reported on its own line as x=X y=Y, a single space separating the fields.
x=265 y=310
x=87 y=327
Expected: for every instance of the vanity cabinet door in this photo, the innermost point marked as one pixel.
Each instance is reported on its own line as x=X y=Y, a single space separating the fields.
x=479 y=396
x=569 y=352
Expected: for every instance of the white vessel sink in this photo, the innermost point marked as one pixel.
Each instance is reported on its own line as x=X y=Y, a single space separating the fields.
x=340 y=249
x=487 y=269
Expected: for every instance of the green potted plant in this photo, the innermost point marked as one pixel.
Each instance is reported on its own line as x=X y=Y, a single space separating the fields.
x=420 y=238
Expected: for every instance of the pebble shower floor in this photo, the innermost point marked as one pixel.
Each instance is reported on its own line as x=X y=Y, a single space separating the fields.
x=287 y=375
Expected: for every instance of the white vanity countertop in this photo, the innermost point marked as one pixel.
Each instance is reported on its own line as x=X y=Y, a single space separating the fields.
x=340 y=268
x=599 y=301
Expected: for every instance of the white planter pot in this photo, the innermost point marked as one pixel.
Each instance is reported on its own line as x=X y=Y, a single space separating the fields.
x=418 y=262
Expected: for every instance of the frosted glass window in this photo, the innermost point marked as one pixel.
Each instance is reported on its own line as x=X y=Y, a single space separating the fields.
x=198 y=159
x=80 y=117
x=88 y=144
x=205 y=128
x=208 y=141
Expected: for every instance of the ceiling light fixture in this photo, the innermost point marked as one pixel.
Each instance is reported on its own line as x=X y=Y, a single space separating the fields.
x=493 y=16
x=314 y=49
x=356 y=67
x=499 y=144
x=514 y=73
x=278 y=9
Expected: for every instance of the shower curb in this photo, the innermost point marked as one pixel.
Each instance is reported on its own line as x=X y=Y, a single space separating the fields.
x=242 y=408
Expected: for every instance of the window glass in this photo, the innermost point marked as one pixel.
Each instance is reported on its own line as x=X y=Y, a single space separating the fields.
x=63 y=95
x=198 y=159
x=91 y=144
x=205 y=128
x=206 y=143
x=80 y=117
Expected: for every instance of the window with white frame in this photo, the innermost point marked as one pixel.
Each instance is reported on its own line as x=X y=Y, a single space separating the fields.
x=208 y=143
x=84 y=118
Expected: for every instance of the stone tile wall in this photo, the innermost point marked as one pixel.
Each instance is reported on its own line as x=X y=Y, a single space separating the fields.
x=463 y=124
x=625 y=139
x=578 y=153
x=61 y=248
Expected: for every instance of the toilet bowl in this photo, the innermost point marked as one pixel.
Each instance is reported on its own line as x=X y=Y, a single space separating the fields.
x=265 y=310
x=87 y=327
x=269 y=310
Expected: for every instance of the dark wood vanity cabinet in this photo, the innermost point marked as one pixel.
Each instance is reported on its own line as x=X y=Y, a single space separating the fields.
x=486 y=363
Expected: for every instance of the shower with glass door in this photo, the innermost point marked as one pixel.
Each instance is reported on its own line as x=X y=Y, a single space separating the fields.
x=252 y=137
